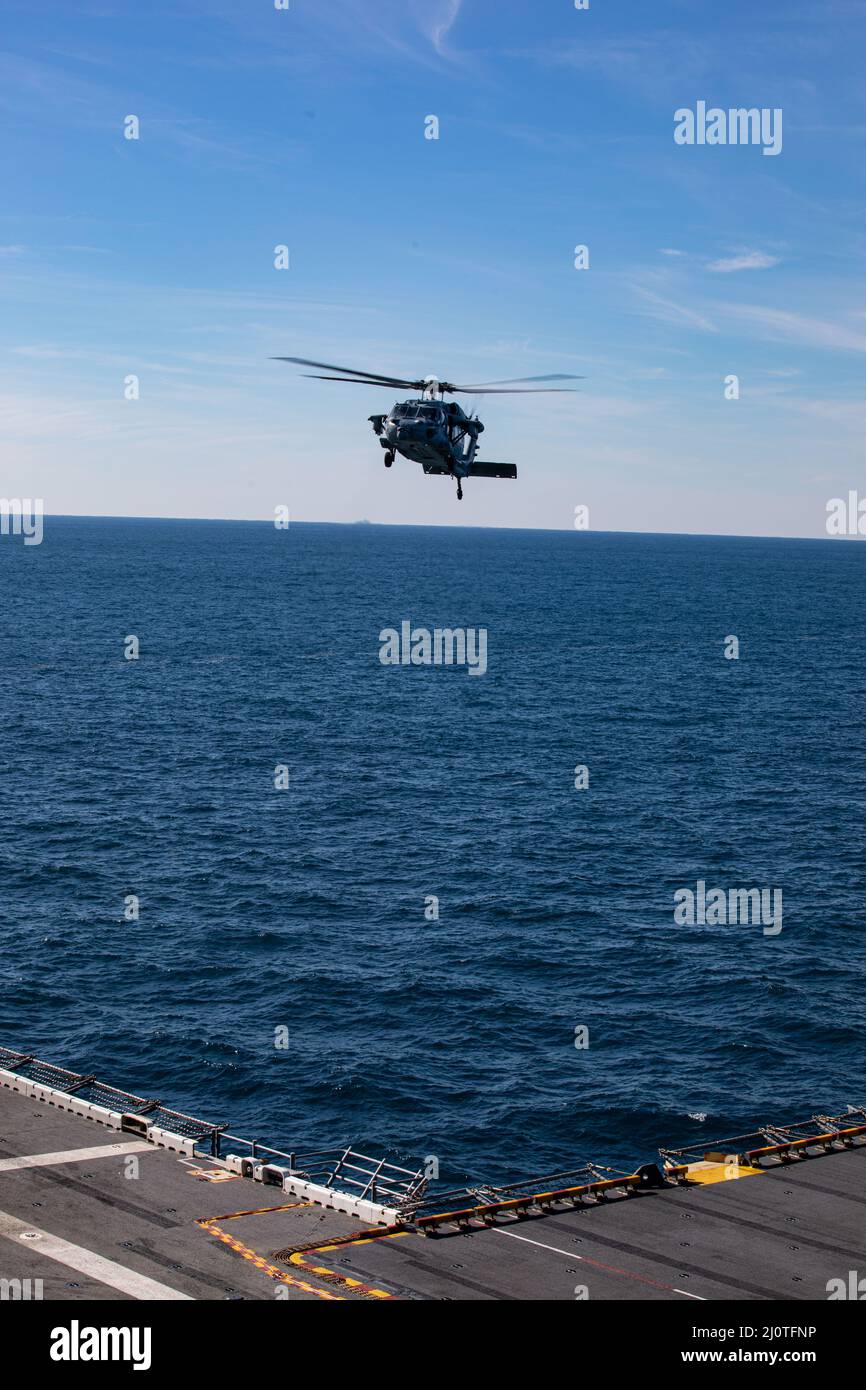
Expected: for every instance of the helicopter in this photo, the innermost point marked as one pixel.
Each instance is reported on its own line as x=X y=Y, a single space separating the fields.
x=429 y=430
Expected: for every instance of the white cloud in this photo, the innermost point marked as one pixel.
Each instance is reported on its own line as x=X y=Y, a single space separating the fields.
x=776 y=325
x=441 y=25
x=781 y=325
x=670 y=312
x=747 y=260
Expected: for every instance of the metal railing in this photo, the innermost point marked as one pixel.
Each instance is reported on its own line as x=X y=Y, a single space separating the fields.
x=352 y=1173
x=523 y=1191
x=343 y=1169
x=769 y=1140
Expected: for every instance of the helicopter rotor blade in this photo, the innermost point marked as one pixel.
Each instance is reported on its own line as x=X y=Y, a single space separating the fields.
x=517 y=380
x=361 y=381
x=346 y=372
x=517 y=390
x=507 y=386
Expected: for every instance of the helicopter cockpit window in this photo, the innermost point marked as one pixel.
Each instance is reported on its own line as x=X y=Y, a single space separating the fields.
x=412 y=410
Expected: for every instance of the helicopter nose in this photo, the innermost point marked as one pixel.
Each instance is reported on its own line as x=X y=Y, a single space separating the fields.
x=418 y=430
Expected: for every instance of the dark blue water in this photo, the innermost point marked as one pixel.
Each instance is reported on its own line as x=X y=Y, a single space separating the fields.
x=304 y=908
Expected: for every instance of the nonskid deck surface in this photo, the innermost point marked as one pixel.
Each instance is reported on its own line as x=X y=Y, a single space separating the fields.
x=780 y=1234
x=121 y=1210
x=96 y=1213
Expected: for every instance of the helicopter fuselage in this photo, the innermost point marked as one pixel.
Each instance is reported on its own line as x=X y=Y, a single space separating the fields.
x=429 y=430
x=436 y=434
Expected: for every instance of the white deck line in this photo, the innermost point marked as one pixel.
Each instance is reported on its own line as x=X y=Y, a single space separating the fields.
x=584 y=1259
x=13 y=1165
x=87 y=1262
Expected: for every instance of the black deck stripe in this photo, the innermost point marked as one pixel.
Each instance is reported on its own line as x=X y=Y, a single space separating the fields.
x=89 y=1190
x=830 y=1246
x=452 y=1278
x=196 y=1276
x=427 y=1269
x=654 y=1257
x=833 y=1192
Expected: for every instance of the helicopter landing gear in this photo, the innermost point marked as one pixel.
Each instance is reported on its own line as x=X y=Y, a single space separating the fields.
x=459 y=491
x=389 y=459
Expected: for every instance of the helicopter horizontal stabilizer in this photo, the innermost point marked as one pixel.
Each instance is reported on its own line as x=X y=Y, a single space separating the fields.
x=493 y=470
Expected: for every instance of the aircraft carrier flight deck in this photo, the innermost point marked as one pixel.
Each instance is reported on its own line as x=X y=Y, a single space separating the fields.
x=105 y=1195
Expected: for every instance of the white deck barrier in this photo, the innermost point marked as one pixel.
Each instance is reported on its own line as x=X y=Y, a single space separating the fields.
x=272 y=1174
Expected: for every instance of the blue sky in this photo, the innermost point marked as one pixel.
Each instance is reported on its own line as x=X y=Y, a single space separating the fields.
x=306 y=127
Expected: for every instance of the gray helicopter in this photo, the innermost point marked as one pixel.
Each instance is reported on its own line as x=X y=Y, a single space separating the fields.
x=429 y=430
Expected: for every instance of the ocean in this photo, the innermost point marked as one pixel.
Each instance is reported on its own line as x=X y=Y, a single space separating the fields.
x=389 y=870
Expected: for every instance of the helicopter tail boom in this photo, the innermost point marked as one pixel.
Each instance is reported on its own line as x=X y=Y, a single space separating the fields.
x=492 y=470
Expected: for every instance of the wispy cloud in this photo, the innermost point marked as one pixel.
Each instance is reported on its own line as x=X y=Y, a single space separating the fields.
x=656 y=64
x=441 y=25
x=670 y=312
x=767 y=323
x=747 y=260
x=781 y=325
x=382 y=31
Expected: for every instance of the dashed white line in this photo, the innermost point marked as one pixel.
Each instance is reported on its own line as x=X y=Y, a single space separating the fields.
x=584 y=1259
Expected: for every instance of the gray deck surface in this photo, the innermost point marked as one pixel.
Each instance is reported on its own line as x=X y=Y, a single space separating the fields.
x=780 y=1235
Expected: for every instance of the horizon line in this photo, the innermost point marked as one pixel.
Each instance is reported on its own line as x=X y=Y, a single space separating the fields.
x=443 y=526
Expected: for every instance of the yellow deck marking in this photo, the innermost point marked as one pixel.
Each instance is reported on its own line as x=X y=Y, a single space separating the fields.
x=721 y=1172
x=301 y=1259
x=257 y=1211
x=265 y=1266
x=209 y=1224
